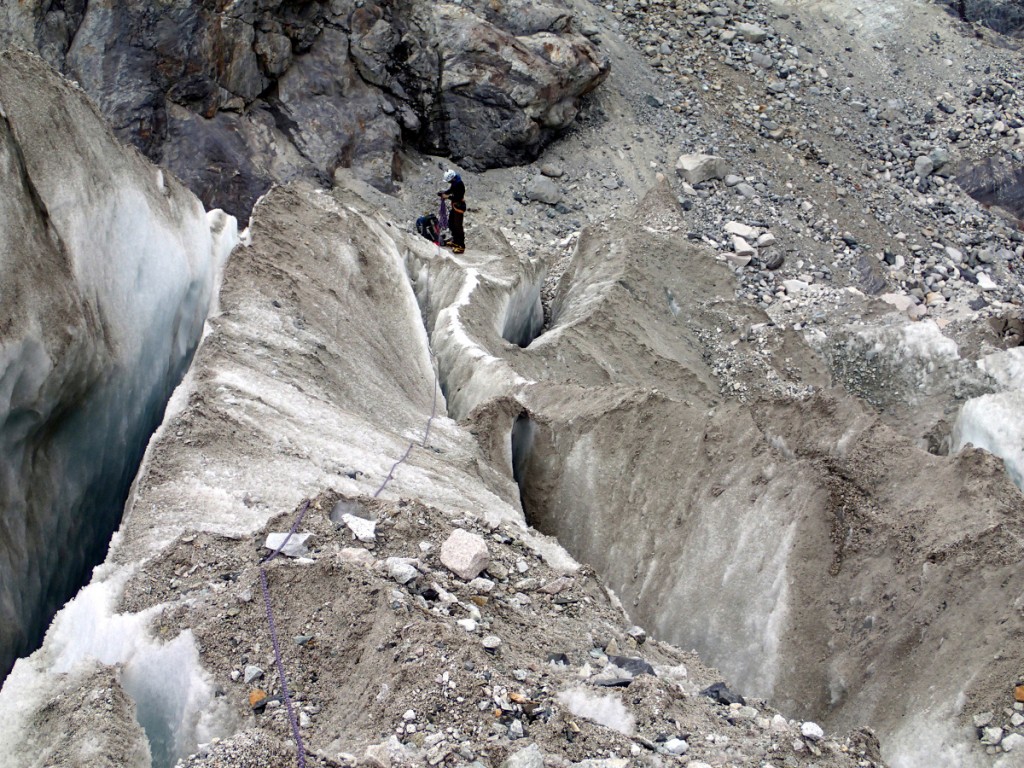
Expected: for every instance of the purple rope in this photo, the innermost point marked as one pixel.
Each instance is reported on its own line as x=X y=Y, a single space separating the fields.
x=391 y=472
x=292 y=719
x=273 y=633
x=280 y=669
x=442 y=216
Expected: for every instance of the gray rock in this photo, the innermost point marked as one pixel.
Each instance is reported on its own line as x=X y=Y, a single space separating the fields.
x=401 y=571
x=543 y=190
x=986 y=283
x=924 y=166
x=740 y=229
x=992 y=736
x=751 y=33
x=295 y=546
x=551 y=170
x=694 y=169
x=939 y=157
x=274 y=51
x=505 y=97
x=364 y=530
x=1014 y=742
x=677 y=746
x=634 y=666
x=894 y=110
x=901 y=302
x=742 y=247
x=811 y=731
x=251 y=673
x=481 y=586
x=530 y=757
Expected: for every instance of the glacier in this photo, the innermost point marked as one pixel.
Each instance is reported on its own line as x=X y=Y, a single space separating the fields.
x=738 y=530
x=105 y=303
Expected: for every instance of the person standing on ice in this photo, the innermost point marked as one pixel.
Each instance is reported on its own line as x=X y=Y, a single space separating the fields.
x=456 y=194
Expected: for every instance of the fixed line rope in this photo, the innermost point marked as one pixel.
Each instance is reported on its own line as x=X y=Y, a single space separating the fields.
x=292 y=719
x=273 y=634
x=426 y=434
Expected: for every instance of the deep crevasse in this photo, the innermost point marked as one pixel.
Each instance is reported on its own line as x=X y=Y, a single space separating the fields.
x=108 y=274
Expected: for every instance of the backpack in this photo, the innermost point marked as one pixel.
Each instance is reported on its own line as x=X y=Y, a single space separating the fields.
x=428 y=227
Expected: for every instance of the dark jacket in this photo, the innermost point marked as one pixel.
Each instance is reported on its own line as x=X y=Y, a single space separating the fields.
x=457 y=194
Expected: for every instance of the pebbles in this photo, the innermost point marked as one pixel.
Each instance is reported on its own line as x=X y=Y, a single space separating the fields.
x=884 y=159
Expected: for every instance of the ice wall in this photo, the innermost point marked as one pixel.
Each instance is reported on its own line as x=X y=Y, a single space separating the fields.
x=107 y=273
x=995 y=421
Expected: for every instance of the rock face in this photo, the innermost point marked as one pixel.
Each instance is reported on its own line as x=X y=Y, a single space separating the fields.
x=995 y=182
x=1004 y=16
x=233 y=99
x=107 y=276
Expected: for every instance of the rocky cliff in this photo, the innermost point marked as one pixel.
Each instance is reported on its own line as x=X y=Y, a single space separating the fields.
x=232 y=97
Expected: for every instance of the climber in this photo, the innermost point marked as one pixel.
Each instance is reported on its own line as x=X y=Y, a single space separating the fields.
x=456 y=194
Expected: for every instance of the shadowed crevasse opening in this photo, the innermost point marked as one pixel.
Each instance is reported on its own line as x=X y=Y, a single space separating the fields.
x=529 y=473
x=522 y=446
x=524 y=315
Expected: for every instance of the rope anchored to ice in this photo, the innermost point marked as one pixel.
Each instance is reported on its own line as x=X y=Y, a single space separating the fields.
x=292 y=719
x=273 y=634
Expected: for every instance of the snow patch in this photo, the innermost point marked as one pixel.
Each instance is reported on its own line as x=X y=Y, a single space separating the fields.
x=607 y=710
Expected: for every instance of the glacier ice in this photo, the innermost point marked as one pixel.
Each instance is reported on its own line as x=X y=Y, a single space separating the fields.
x=174 y=699
x=108 y=269
x=995 y=421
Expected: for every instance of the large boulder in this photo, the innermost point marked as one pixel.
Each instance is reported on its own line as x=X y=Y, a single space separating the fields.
x=265 y=91
x=503 y=97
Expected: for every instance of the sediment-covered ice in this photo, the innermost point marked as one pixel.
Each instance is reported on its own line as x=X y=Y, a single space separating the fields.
x=107 y=272
x=173 y=697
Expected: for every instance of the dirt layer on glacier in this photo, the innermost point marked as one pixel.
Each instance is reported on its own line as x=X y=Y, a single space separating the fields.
x=368 y=659
x=429 y=670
